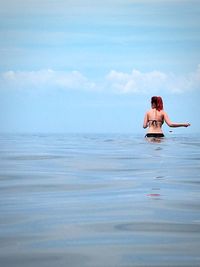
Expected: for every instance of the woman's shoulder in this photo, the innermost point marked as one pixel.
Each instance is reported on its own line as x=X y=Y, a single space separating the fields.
x=162 y=112
x=150 y=110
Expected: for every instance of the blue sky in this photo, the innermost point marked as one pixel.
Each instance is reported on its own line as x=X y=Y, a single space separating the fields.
x=92 y=66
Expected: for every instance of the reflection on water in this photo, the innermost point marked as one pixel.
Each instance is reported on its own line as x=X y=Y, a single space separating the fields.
x=99 y=200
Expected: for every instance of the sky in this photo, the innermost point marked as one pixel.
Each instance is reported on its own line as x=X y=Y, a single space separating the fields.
x=70 y=66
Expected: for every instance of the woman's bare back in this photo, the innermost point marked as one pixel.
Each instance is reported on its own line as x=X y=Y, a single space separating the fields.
x=155 y=120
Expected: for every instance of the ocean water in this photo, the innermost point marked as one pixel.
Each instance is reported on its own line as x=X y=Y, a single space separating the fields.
x=99 y=200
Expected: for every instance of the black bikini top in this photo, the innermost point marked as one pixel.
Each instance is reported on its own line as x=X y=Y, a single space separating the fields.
x=155 y=122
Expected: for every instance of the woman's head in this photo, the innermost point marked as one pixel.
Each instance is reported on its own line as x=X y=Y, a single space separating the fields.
x=156 y=102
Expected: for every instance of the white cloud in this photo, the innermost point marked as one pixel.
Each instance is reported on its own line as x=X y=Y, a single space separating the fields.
x=136 y=82
x=154 y=81
x=45 y=79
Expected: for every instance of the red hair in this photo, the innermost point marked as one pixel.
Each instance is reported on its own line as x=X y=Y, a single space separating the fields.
x=159 y=106
x=157 y=100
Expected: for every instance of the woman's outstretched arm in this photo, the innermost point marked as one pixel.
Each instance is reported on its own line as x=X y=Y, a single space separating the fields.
x=174 y=124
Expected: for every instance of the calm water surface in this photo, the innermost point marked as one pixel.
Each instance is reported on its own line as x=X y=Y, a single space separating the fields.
x=99 y=200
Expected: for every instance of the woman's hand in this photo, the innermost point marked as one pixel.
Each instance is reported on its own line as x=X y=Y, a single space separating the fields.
x=187 y=124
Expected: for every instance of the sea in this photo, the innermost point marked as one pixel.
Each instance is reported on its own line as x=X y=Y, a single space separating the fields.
x=99 y=200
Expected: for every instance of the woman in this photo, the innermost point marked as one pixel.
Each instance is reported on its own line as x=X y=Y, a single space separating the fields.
x=155 y=118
